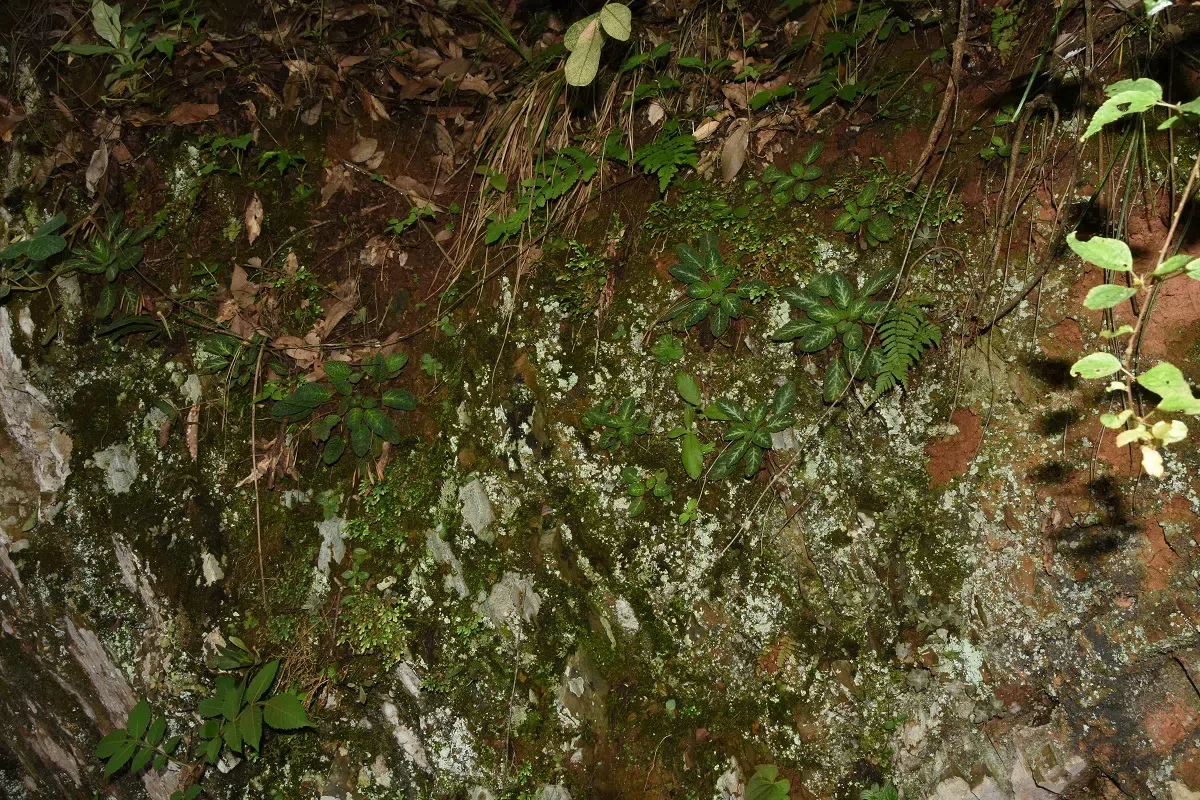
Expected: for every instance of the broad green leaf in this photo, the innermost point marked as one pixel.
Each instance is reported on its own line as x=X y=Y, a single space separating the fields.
x=1166 y=381
x=1097 y=365
x=1103 y=252
x=51 y=225
x=232 y=734
x=41 y=248
x=323 y=427
x=285 y=712
x=301 y=402
x=813 y=153
x=261 y=681
x=718 y=320
x=617 y=21
x=826 y=315
x=1172 y=264
x=754 y=458
x=877 y=282
x=693 y=455
x=107 y=302
x=725 y=409
x=584 y=60
x=784 y=400
x=881 y=227
x=106 y=21
x=766 y=784
x=1121 y=331
x=725 y=463
x=1107 y=295
x=690 y=267
x=119 y=759
x=800 y=298
x=840 y=290
x=1124 y=98
x=687 y=387
x=338 y=373
x=139 y=719
x=250 y=727
x=1169 y=432
x=400 y=399
x=141 y=760
x=667 y=349
x=382 y=425
x=333 y=450
x=157 y=729
x=1152 y=462
x=111 y=743
x=821 y=285
x=85 y=49
x=810 y=336
x=837 y=379
x=852 y=339
x=866 y=195
x=1116 y=420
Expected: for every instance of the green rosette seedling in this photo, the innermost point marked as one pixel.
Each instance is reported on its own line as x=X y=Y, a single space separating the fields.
x=617 y=424
x=360 y=417
x=691 y=449
x=831 y=309
x=863 y=220
x=749 y=434
x=798 y=183
x=643 y=485
x=109 y=252
x=712 y=286
x=20 y=262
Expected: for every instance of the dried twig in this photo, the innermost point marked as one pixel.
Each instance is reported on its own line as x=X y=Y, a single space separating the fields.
x=960 y=46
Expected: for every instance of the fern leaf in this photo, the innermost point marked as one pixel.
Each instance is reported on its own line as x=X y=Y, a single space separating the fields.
x=904 y=336
x=665 y=156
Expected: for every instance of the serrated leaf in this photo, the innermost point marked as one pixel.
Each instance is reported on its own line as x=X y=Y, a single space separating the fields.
x=141 y=760
x=725 y=463
x=690 y=267
x=261 y=681
x=285 y=712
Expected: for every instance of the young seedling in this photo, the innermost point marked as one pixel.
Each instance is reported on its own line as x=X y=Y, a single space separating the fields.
x=749 y=436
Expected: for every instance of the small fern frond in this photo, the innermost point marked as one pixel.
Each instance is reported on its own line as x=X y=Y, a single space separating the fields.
x=665 y=156
x=903 y=337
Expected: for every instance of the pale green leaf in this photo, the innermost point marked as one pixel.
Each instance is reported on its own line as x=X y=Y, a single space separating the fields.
x=1166 y=381
x=1124 y=98
x=1110 y=254
x=584 y=61
x=617 y=21
x=1172 y=265
x=1097 y=365
x=1107 y=295
x=106 y=21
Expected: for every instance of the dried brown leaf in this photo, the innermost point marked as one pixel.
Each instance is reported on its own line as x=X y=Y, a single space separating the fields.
x=253 y=218
x=192 y=113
